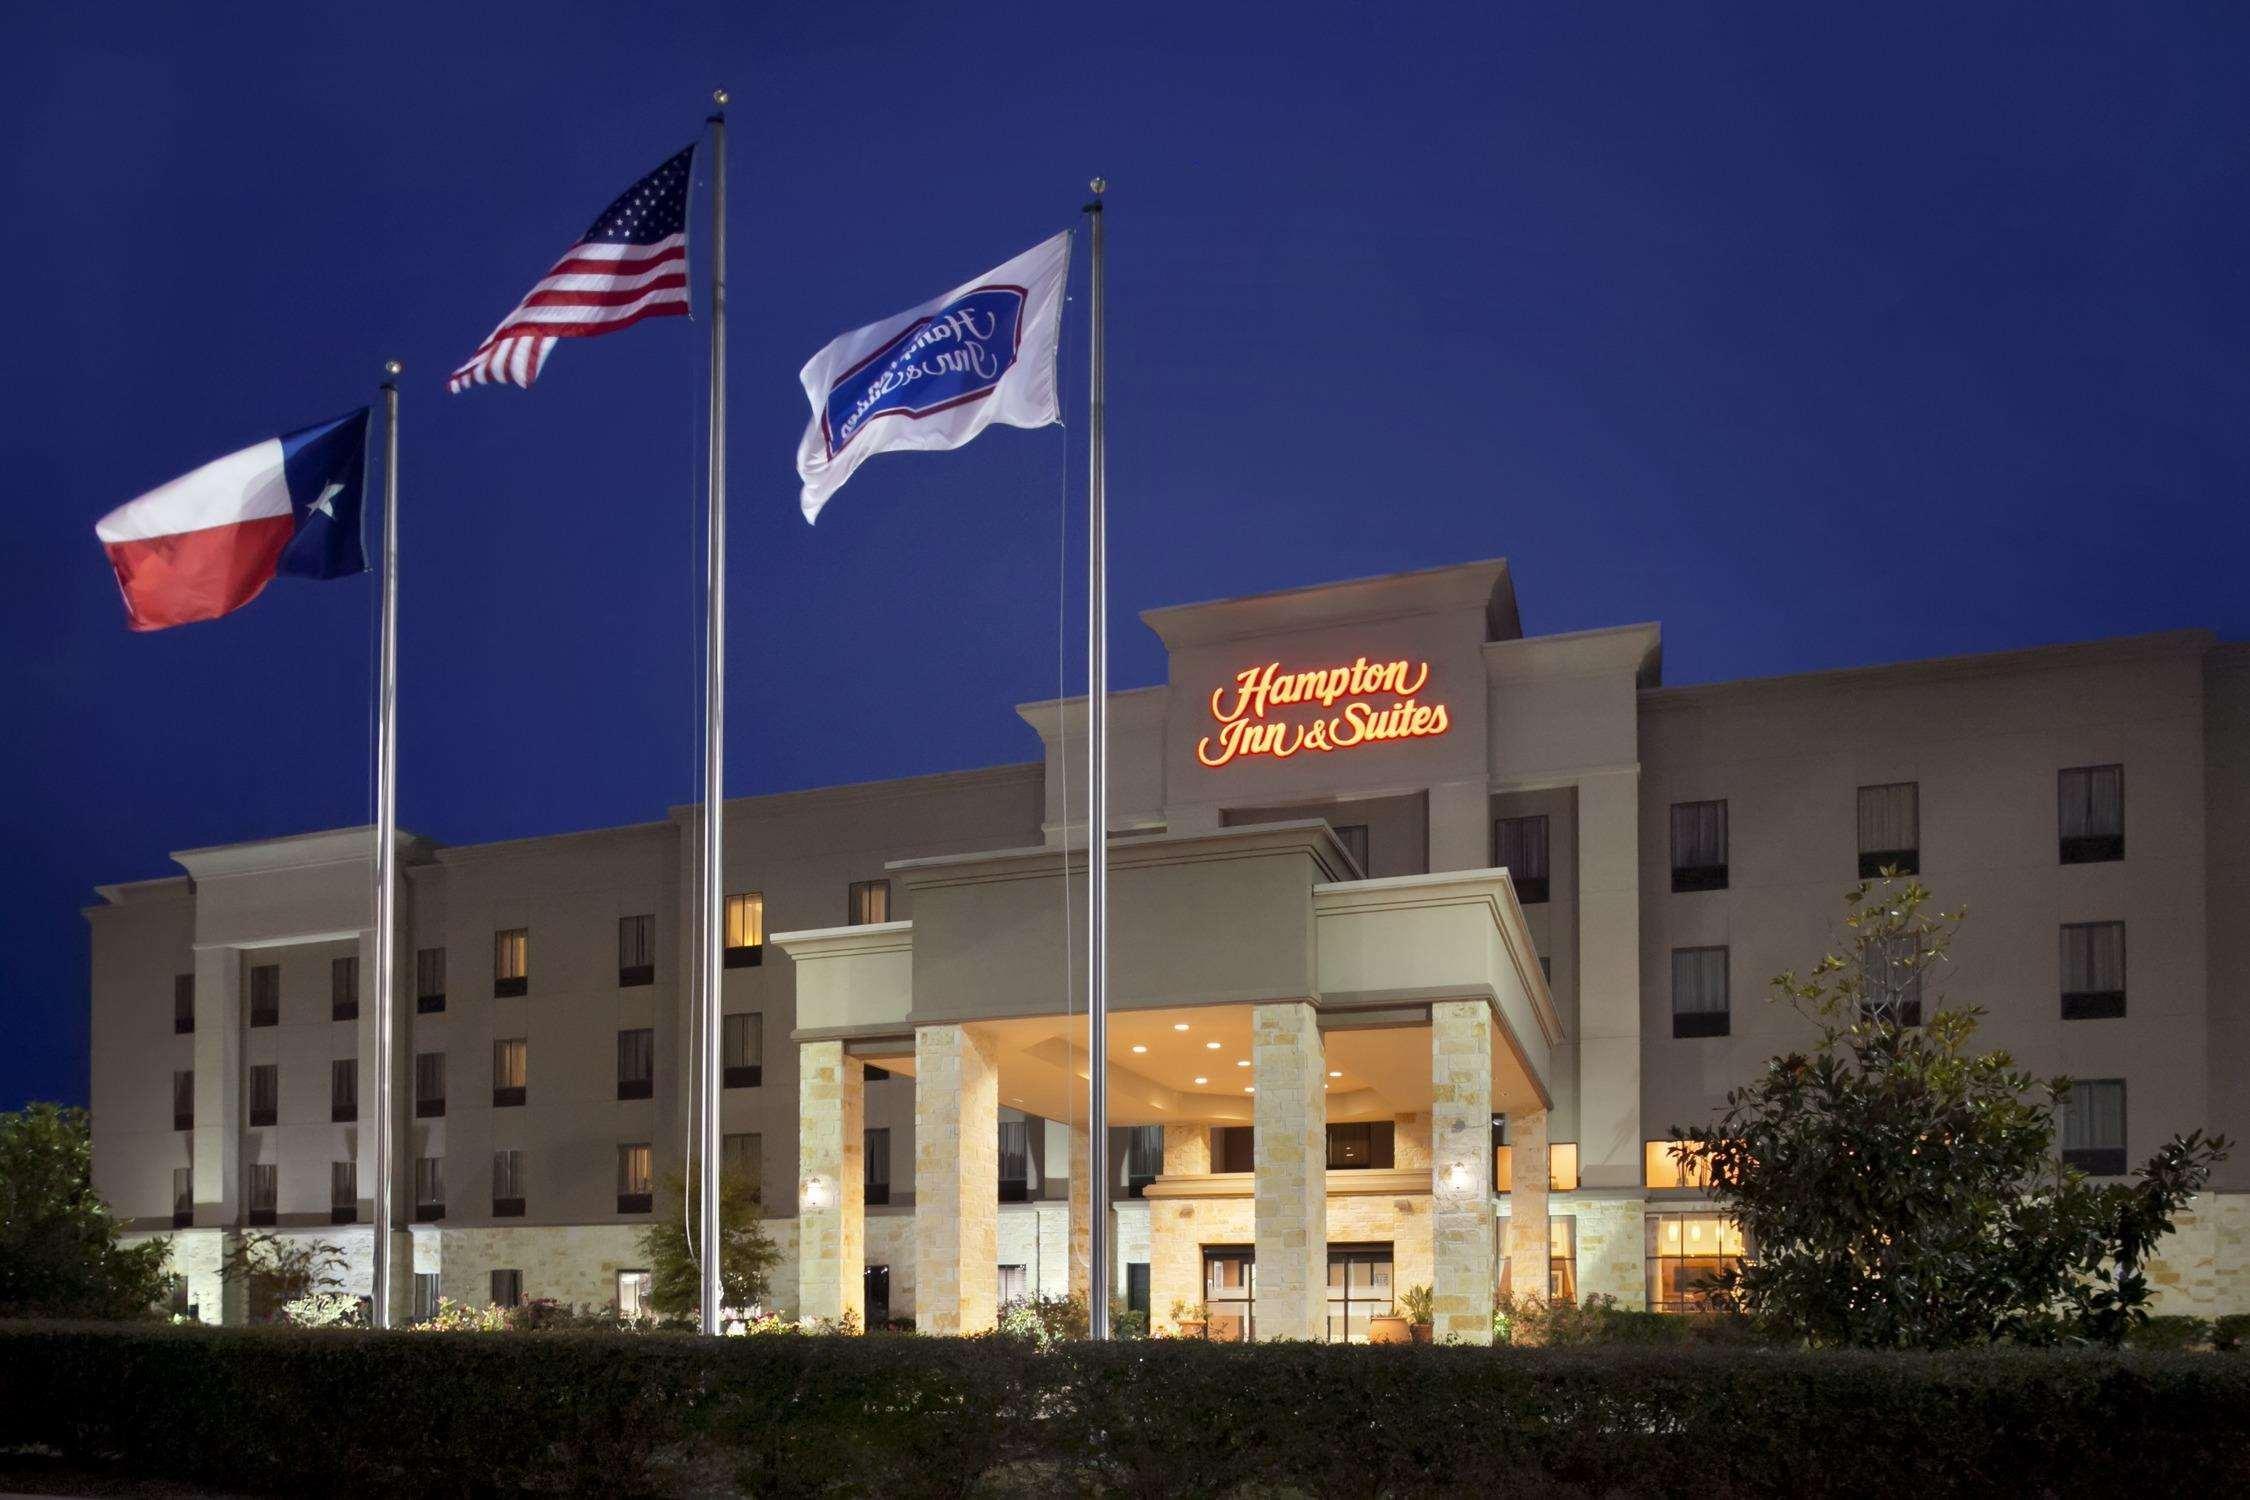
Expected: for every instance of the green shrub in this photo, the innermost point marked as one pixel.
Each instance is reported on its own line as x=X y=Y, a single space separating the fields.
x=288 y=1411
x=2169 y=1331
x=1045 y=1321
x=2231 y=1333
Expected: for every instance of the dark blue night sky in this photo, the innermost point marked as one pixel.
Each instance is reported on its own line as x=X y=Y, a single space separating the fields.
x=1823 y=337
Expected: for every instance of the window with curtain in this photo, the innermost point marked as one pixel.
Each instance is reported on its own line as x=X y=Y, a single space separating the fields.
x=633 y=1181
x=429 y=1188
x=343 y=1192
x=429 y=1085
x=343 y=1090
x=511 y=962
x=2093 y=970
x=1699 y=846
x=264 y=1190
x=183 y=1003
x=429 y=980
x=742 y=1049
x=1685 y=1251
x=2090 y=814
x=183 y=1197
x=636 y=951
x=744 y=1156
x=507 y=1287
x=1015 y=1161
x=2093 y=1127
x=507 y=1184
x=1353 y=836
x=1519 y=846
x=746 y=930
x=868 y=901
x=343 y=988
x=1699 y=992
x=875 y=1173
x=636 y=1063
x=1138 y=1152
x=511 y=1066
x=1015 y=1284
x=1890 y=982
x=1890 y=829
x=183 y=1099
x=265 y=995
x=265 y=1094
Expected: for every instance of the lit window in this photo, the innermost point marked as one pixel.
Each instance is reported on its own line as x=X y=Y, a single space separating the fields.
x=1699 y=992
x=636 y=951
x=511 y=962
x=634 y=1291
x=868 y=901
x=634 y=1191
x=1685 y=1251
x=1661 y=1168
x=1562 y=1165
x=1699 y=846
x=2093 y=971
x=1562 y=1261
x=2090 y=814
x=1890 y=829
x=746 y=930
x=1519 y=846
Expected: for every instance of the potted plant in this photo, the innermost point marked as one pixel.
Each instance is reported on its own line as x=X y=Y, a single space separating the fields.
x=1415 y=1303
x=1191 y=1319
x=1389 y=1328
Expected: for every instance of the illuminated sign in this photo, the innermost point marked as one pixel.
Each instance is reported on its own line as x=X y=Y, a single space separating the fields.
x=1378 y=701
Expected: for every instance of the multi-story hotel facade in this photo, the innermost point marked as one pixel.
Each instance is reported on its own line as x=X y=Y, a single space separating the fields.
x=1424 y=932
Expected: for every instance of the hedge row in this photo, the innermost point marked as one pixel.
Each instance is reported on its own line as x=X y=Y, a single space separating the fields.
x=316 y=1411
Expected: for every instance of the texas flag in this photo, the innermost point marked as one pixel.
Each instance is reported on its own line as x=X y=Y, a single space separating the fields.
x=209 y=542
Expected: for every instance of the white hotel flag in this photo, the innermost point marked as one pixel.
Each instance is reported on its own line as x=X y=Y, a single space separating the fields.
x=938 y=375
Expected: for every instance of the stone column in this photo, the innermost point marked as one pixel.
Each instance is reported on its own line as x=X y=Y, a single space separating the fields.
x=1081 y=1212
x=1461 y=1219
x=831 y=1183
x=956 y=1181
x=1290 y=1183
x=1528 y=1243
x=1187 y=1150
x=1609 y=980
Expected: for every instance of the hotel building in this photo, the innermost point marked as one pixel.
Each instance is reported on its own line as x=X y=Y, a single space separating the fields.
x=1424 y=932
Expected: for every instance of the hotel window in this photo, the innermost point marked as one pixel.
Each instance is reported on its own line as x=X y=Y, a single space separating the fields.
x=507 y=1287
x=1661 y=1167
x=1685 y=1251
x=1138 y=1151
x=265 y=995
x=633 y=1190
x=183 y=1099
x=425 y=1295
x=1015 y=1285
x=343 y=1090
x=1562 y=1262
x=1699 y=992
x=1890 y=982
x=1519 y=846
x=183 y=1197
x=343 y=988
x=868 y=901
x=429 y=1085
x=746 y=930
x=634 y=1291
x=511 y=1063
x=1353 y=836
x=183 y=1003
x=875 y=1172
x=2090 y=814
x=1015 y=1161
x=265 y=1093
x=343 y=1192
x=636 y=951
x=1699 y=846
x=2093 y=1127
x=1136 y=1290
x=429 y=1189
x=742 y=1047
x=1562 y=1162
x=1234 y=1148
x=1890 y=829
x=1230 y=1295
x=742 y=1156
x=875 y=1295
x=2093 y=970
x=511 y=962
x=636 y=1064
x=1359 y=1288
x=429 y=981
x=507 y=1184
x=265 y=1194
x=1361 y=1147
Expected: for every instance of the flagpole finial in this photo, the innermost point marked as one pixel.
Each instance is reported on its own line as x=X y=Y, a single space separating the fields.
x=393 y=368
x=719 y=97
x=1100 y=185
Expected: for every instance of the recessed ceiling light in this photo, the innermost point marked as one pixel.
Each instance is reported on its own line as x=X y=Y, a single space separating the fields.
x=1203 y=1080
x=1211 y=1046
x=1179 y=1025
x=1335 y=1072
x=1242 y=1062
x=1249 y=1088
x=1138 y=1047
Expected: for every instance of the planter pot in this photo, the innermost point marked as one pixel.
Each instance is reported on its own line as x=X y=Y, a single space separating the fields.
x=1191 y=1329
x=1421 y=1333
x=1387 y=1329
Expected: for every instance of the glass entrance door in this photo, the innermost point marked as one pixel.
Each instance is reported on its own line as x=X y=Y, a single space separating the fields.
x=1230 y=1289
x=1359 y=1288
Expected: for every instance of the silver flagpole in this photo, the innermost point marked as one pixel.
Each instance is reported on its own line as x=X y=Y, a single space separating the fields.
x=386 y=853
x=714 y=740
x=1097 y=813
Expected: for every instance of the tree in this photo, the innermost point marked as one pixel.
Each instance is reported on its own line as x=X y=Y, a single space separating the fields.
x=277 y=1272
x=1899 y=1189
x=747 y=1256
x=59 y=1250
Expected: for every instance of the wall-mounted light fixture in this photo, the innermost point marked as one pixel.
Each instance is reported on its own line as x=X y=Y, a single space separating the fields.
x=815 y=1192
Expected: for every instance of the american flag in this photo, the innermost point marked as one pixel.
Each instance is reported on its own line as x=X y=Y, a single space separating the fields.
x=632 y=264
